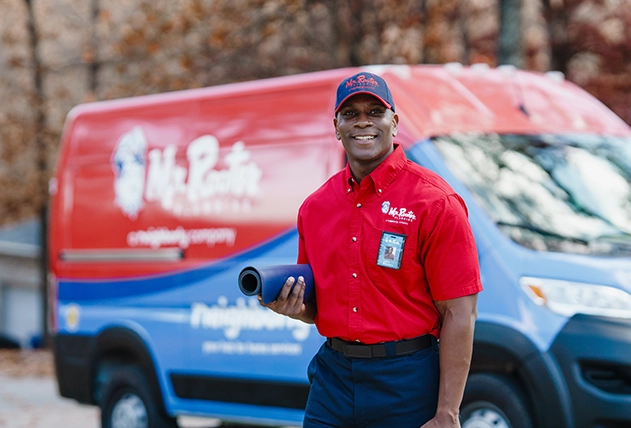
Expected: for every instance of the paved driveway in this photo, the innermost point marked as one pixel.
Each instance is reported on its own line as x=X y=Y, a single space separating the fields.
x=33 y=402
x=29 y=397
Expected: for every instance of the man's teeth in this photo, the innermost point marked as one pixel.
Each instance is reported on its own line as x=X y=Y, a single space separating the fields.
x=364 y=137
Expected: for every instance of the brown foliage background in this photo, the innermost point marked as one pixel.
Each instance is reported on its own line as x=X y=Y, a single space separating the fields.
x=94 y=50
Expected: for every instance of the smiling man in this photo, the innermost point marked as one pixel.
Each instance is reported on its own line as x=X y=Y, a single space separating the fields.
x=395 y=269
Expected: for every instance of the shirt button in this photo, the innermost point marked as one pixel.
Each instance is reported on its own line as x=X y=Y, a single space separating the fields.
x=379 y=190
x=354 y=275
x=359 y=205
x=348 y=190
x=354 y=239
x=355 y=309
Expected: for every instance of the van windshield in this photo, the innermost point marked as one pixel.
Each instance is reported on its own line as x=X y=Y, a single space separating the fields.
x=563 y=193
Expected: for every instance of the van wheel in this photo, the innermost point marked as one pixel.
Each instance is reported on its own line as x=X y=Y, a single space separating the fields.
x=127 y=401
x=493 y=401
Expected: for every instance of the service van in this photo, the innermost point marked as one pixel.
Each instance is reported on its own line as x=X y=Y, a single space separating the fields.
x=158 y=202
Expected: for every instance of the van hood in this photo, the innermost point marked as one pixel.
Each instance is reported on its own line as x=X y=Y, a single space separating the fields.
x=611 y=271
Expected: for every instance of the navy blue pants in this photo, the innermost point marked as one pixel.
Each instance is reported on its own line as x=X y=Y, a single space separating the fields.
x=377 y=392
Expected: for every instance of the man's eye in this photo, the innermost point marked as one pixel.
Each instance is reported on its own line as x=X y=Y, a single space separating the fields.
x=348 y=113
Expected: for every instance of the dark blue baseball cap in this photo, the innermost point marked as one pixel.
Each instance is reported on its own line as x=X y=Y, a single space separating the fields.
x=364 y=83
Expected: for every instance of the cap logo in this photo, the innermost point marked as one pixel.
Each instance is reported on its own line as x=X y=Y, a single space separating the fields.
x=361 y=81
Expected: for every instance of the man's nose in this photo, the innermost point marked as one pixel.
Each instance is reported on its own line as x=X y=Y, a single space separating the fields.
x=363 y=120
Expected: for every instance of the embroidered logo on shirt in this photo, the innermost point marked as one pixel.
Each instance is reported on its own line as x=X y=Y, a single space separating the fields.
x=402 y=215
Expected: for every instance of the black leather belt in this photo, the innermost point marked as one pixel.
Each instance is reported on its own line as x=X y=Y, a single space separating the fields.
x=380 y=350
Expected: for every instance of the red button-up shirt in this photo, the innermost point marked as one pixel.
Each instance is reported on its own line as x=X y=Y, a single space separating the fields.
x=344 y=228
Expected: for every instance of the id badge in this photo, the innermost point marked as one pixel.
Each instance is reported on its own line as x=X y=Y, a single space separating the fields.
x=390 y=250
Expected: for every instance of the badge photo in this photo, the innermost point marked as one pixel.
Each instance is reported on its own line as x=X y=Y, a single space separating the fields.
x=390 y=250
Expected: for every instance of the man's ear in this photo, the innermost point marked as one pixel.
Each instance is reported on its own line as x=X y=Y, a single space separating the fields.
x=395 y=124
x=337 y=133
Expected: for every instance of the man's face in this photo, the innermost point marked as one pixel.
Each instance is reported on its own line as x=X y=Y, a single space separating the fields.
x=366 y=129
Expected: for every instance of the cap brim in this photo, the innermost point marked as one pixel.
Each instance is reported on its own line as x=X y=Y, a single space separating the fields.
x=362 y=92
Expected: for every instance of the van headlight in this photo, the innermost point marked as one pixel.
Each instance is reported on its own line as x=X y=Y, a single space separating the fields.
x=569 y=298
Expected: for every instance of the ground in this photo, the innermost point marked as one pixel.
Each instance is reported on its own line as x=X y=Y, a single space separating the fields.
x=16 y=363
x=29 y=397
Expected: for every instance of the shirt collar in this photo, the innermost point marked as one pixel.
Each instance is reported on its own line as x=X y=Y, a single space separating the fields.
x=382 y=176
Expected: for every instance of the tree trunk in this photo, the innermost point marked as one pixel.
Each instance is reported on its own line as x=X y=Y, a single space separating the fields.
x=561 y=50
x=94 y=46
x=509 y=37
x=42 y=161
x=348 y=33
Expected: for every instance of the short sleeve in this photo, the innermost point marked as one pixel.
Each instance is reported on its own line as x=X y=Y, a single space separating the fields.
x=448 y=250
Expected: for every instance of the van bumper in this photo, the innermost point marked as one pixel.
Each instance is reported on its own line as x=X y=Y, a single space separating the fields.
x=594 y=354
x=72 y=366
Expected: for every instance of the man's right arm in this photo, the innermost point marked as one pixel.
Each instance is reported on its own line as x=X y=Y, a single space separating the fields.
x=290 y=302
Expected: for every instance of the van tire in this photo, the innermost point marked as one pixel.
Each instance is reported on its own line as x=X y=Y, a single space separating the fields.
x=494 y=401
x=127 y=401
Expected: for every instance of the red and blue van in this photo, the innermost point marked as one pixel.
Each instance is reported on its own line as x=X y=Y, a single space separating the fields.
x=158 y=202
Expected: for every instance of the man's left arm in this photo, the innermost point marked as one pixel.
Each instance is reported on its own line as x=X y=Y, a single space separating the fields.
x=456 y=346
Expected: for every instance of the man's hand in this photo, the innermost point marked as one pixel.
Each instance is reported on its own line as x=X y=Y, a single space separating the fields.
x=443 y=421
x=290 y=301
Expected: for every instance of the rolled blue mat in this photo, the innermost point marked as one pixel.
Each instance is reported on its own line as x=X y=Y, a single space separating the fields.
x=268 y=280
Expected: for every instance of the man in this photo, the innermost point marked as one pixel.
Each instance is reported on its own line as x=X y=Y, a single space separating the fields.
x=380 y=365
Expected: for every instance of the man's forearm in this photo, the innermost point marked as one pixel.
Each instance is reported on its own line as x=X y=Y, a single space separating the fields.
x=456 y=345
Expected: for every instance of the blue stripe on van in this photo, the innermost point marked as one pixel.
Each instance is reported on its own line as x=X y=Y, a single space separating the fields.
x=98 y=289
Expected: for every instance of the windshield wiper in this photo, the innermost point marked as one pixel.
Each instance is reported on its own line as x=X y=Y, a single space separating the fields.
x=543 y=232
x=615 y=237
x=616 y=243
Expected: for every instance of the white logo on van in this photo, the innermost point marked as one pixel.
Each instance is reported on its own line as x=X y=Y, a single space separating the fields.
x=198 y=188
x=129 y=164
x=251 y=316
x=156 y=237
